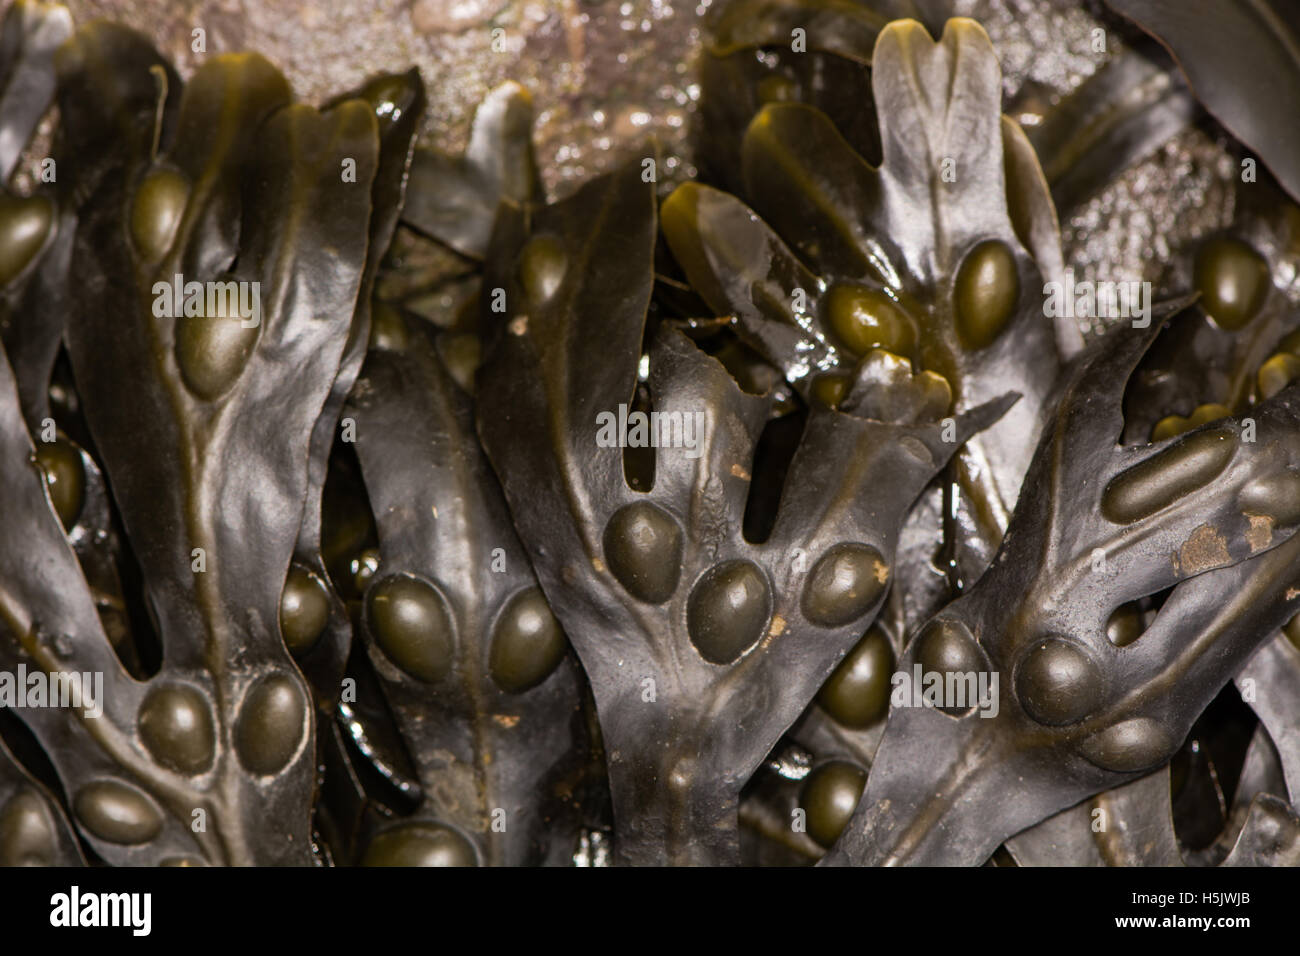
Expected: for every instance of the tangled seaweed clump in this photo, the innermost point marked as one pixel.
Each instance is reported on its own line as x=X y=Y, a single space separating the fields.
x=401 y=513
